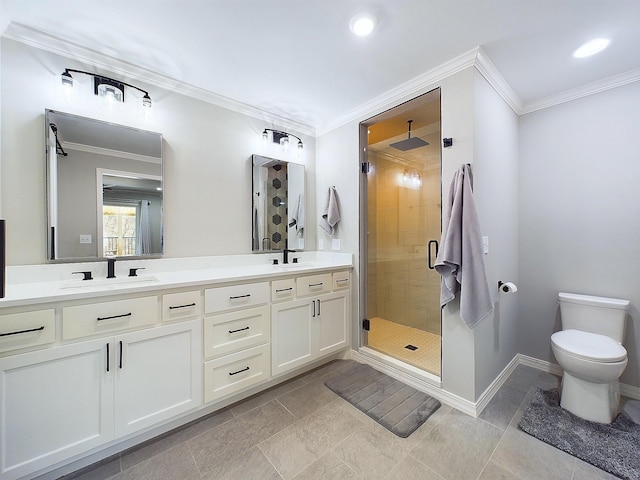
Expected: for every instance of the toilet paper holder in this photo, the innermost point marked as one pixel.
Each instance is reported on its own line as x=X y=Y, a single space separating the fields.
x=507 y=287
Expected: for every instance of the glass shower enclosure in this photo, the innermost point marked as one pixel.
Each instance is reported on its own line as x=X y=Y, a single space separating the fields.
x=401 y=203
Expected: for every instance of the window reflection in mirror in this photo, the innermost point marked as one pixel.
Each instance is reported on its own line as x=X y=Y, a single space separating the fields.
x=278 y=214
x=104 y=189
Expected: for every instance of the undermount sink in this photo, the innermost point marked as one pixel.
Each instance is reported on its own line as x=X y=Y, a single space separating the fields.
x=107 y=282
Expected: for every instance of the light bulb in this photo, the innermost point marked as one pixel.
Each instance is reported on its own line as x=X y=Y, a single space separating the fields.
x=363 y=24
x=591 y=48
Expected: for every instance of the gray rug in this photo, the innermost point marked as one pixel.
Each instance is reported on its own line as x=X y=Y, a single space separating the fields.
x=613 y=448
x=399 y=408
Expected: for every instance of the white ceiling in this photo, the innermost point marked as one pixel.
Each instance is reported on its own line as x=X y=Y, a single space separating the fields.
x=298 y=59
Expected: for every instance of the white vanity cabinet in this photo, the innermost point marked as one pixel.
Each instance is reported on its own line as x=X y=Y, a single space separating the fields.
x=309 y=328
x=61 y=401
x=157 y=375
x=54 y=403
x=89 y=373
x=236 y=339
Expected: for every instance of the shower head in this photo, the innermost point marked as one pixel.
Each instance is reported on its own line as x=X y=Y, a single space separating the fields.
x=410 y=143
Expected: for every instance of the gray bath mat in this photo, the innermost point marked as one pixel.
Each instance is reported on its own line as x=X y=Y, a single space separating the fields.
x=399 y=408
x=613 y=448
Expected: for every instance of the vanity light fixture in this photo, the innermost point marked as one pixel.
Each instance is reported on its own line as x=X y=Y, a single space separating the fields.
x=281 y=137
x=112 y=90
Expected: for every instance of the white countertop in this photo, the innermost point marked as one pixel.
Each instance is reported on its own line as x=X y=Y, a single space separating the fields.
x=36 y=284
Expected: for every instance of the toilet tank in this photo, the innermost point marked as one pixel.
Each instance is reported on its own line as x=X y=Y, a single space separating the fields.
x=605 y=316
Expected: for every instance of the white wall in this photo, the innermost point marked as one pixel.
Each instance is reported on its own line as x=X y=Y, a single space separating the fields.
x=580 y=213
x=495 y=167
x=207 y=152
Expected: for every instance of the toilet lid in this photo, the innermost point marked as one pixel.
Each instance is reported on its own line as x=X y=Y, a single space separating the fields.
x=589 y=346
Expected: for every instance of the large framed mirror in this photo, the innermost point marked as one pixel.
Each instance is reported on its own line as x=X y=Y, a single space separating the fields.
x=278 y=204
x=104 y=189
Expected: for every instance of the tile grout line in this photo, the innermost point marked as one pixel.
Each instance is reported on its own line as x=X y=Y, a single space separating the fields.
x=267 y=457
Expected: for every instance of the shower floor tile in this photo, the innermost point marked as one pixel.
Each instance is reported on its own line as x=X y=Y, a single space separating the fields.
x=393 y=339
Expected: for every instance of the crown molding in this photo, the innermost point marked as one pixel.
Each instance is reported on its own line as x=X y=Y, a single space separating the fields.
x=475 y=57
x=403 y=92
x=43 y=41
x=608 y=83
x=493 y=76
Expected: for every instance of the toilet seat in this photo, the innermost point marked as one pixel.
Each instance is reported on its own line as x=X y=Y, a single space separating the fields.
x=589 y=346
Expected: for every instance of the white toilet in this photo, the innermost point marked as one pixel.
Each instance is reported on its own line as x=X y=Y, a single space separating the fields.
x=589 y=350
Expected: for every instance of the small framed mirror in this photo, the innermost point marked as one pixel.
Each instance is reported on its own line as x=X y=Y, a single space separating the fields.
x=278 y=215
x=104 y=189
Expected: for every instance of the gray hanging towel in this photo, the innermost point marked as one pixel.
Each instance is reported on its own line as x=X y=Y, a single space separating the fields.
x=460 y=260
x=331 y=213
x=297 y=217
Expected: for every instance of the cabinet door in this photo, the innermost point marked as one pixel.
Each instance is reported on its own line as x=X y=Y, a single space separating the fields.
x=158 y=375
x=291 y=335
x=54 y=404
x=332 y=314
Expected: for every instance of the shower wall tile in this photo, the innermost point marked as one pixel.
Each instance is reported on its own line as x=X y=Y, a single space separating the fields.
x=401 y=223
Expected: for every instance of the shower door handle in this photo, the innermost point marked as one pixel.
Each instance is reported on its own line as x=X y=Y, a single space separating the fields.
x=430 y=260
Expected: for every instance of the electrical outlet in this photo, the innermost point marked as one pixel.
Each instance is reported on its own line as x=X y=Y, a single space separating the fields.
x=85 y=239
x=321 y=244
x=335 y=244
x=485 y=245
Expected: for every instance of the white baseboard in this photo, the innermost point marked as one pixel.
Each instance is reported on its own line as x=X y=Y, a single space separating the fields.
x=493 y=388
x=416 y=382
x=629 y=391
x=386 y=365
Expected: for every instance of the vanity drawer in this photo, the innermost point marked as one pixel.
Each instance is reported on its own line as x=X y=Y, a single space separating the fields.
x=231 y=332
x=283 y=290
x=313 y=284
x=226 y=375
x=341 y=280
x=236 y=296
x=98 y=318
x=28 y=329
x=181 y=306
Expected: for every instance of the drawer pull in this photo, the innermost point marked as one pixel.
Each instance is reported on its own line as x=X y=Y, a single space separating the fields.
x=342 y=280
x=239 y=371
x=22 y=331
x=240 y=296
x=120 y=364
x=108 y=357
x=278 y=290
x=316 y=284
x=114 y=316
x=171 y=307
x=238 y=330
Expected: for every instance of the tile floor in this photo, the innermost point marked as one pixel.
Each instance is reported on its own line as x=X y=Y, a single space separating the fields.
x=301 y=430
x=391 y=339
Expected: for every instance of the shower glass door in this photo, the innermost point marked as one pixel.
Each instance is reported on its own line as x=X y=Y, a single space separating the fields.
x=403 y=225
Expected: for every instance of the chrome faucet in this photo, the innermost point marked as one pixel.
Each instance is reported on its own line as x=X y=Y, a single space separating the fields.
x=111 y=267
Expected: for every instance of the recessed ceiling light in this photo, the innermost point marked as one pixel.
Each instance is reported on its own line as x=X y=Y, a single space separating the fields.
x=591 y=48
x=363 y=24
